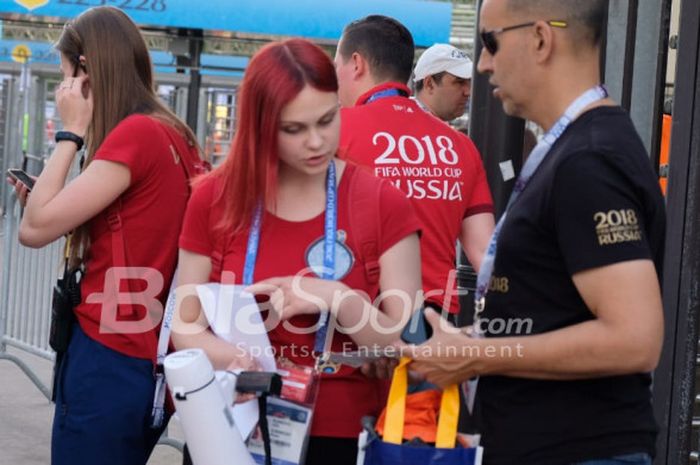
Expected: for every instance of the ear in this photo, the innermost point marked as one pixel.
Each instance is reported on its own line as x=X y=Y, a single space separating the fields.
x=83 y=62
x=429 y=83
x=360 y=66
x=543 y=41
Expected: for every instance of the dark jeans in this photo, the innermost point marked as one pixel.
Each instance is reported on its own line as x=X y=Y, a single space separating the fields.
x=103 y=406
x=343 y=451
x=628 y=459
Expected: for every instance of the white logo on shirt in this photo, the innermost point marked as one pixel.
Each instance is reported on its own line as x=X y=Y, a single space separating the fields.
x=414 y=152
x=344 y=259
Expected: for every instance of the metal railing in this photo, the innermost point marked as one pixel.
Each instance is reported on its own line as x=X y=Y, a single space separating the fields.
x=27 y=279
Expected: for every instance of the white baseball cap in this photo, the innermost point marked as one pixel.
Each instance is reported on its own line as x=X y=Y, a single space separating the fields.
x=443 y=57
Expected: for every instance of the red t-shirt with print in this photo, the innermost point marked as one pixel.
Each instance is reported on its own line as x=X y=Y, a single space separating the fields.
x=151 y=213
x=285 y=248
x=438 y=168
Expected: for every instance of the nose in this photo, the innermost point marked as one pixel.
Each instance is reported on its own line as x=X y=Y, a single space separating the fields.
x=485 y=64
x=467 y=88
x=315 y=139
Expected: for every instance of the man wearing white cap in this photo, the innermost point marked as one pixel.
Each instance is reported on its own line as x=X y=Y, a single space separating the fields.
x=443 y=80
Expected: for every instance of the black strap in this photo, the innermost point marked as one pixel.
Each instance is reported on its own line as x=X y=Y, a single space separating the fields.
x=183 y=395
x=264 y=430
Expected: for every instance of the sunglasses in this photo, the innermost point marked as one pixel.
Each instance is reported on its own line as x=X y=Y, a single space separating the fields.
x=488 y=38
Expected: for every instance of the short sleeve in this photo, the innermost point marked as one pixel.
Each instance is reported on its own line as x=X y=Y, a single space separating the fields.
x=197 y=232
x=130 y=143
x=397 y=216
x=599 y=218
x=480 y=200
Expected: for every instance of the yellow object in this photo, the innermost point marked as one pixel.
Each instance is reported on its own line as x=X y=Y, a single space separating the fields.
x=21 y=53
x=32 y=4
x=396 y=410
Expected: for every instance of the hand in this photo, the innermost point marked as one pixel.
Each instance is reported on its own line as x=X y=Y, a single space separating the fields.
x=75 y=104
x=295 y=295
x=21 y=190
x=447 y=357
x=382 y=368
x=249 y=364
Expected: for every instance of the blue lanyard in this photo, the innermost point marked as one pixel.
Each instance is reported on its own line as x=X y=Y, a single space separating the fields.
x=533 y=162
x=383 y=94
x=330 y=226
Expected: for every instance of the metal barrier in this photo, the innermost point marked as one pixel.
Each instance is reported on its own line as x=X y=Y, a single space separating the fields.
x=27 y=279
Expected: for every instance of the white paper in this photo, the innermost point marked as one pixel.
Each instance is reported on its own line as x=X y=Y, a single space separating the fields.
x=234 y=316
x=507 y=170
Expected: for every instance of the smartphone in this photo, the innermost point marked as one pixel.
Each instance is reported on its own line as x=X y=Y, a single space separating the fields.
x=417 y=330
x=21 y=176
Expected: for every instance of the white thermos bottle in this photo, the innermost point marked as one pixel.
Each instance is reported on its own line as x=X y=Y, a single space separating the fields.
x=205 y=412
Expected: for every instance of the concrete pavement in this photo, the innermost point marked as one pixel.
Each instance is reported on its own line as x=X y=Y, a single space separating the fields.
x=26 y=416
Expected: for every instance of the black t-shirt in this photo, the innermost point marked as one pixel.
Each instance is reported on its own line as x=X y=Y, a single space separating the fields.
x=593 y=201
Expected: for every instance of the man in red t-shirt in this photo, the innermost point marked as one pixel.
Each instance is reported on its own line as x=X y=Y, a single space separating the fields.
x=438 y=168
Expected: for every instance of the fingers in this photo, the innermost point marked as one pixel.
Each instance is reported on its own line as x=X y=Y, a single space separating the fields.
x=22 y=192
x=369 y=369
x=438 y=323
x=382 y=368
x=264 y=287
x=243 y=398
x=432 y=317
x=73 y=83
x=415 y=377
x=406 y=350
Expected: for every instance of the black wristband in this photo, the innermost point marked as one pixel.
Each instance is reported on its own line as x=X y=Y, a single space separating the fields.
x=67 y=135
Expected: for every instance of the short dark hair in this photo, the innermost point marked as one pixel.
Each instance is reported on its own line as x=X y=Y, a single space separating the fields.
x=436 y=77
x=585 y=17
x=384 y=42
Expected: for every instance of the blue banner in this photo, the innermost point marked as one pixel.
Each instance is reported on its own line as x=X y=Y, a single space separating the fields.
x=428 y=21
x=20 y=51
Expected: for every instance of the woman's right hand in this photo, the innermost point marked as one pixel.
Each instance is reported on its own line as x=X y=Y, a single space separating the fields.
x=75 y=104
x=21 y=190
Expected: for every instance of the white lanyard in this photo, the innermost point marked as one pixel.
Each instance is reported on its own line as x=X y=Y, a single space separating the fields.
x=533 y=162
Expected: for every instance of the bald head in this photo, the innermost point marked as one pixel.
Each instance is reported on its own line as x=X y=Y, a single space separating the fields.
x=585 y=17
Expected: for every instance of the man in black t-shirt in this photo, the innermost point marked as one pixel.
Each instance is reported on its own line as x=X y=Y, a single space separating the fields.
x=573 y=317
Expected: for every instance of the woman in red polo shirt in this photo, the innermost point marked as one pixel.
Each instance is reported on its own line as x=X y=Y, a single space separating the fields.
x=125 y=210
x=272 y=212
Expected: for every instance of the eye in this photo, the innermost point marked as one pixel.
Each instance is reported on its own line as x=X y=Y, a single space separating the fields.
x=291 y=129
x=326 y=120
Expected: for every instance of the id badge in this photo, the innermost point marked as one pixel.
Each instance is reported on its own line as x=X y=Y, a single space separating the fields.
x=289 y=416
x=289 y=424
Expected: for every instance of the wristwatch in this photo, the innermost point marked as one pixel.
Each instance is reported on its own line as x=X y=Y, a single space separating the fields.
x=67 y=135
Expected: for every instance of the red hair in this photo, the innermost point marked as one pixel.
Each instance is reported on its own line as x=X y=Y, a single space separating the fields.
x=274 y=77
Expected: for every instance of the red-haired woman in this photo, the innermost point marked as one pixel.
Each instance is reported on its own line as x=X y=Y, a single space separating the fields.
x=278 y=206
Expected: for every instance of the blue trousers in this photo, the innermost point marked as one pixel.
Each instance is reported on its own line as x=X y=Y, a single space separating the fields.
x=103 y=406
x=630 y=459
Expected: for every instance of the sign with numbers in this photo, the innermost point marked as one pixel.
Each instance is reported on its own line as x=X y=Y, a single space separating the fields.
x=428 y=20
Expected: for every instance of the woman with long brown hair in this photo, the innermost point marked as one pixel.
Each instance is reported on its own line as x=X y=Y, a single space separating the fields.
x=283 y=212
x=125 y=210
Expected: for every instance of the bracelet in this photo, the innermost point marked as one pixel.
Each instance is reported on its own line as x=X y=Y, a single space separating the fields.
x=67 y=135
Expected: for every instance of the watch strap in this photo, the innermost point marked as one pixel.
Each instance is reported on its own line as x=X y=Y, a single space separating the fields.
x=67 y=135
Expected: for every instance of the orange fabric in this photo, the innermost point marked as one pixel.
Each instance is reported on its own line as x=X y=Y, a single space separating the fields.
x=421 y=416
x=665 y=148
